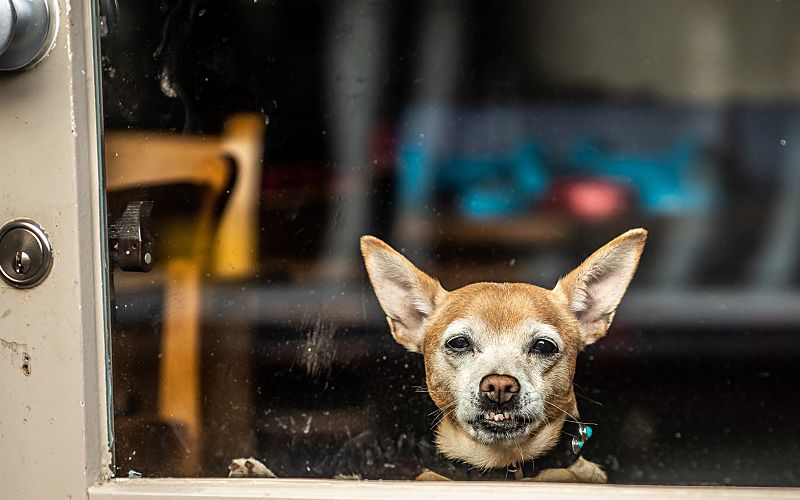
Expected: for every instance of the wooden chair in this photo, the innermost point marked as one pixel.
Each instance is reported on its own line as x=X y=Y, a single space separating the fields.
x=223 y=245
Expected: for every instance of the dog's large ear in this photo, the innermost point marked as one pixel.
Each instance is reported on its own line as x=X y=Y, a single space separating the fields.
x=407 y=295
x=595 y=288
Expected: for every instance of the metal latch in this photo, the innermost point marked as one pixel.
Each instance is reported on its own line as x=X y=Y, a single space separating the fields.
x=129 y=238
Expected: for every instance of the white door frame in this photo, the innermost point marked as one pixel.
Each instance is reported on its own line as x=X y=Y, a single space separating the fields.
x=54 y=439
x=53 y=425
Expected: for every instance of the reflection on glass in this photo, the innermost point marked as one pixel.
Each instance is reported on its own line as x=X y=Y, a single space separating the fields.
x=488 y=141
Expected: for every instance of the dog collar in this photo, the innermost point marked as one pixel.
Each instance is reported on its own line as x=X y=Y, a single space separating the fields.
x=573 y=439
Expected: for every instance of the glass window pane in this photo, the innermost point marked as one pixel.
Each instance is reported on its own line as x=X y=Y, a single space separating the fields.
x=250 y=145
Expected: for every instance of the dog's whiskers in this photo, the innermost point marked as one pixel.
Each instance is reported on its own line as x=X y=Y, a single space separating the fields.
x=587 y=398
x=565 y=412
x=571 y=418
x=442 y=413
x=445 y=407
x=428 y=391
x=438 y=420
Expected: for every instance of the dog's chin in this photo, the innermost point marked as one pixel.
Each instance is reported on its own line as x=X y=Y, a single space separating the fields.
x=489 y=431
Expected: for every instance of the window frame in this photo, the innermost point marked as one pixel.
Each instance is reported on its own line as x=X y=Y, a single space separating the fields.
x=69 y=79
x=175 y=489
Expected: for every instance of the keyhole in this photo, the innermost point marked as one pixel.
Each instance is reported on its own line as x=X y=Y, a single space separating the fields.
x=22 y=262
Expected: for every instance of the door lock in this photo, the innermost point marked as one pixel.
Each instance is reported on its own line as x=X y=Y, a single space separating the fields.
x=27 y=30
x=25 y=254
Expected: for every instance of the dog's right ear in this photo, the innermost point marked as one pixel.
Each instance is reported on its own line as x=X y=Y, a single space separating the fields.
x=407 y=295
x=595 y=288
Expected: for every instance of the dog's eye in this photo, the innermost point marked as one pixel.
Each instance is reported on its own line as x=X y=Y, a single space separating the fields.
x=459 y=343
x=543 y=346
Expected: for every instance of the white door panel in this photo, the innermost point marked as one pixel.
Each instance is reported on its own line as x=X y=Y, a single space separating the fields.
x=50 y=412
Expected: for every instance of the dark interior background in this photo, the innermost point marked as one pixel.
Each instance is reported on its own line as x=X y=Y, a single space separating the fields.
x=685 y=114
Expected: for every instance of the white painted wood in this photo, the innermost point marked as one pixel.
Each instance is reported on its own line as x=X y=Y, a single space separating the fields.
x=53 y=439
x=208 y=489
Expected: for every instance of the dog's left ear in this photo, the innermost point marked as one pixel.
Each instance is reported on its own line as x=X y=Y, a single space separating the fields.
x=594 y=289
x=407 y=295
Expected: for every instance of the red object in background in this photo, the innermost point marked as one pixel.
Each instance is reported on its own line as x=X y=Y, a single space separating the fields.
x=591 y=198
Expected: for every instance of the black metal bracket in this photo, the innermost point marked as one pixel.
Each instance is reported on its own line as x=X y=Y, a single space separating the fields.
x=129 y=238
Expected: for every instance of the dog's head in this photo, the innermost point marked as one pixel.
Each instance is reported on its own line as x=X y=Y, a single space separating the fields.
x=500 y=357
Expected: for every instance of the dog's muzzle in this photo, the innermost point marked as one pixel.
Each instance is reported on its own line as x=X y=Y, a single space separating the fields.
x=494 y=426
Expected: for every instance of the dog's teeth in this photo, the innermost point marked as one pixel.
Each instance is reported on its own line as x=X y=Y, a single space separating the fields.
x=490 y=415
x=505 y=414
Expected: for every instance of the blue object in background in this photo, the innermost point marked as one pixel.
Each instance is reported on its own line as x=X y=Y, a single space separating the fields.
x=666 y=183
x=485 y=186
x=492 y=160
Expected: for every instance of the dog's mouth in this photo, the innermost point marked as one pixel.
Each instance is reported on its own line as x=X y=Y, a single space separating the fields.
x=501 y=424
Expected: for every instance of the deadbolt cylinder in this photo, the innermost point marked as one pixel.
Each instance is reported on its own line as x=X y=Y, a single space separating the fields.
x=25 y=254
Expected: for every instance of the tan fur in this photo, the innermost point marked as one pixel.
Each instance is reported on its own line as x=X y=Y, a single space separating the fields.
x=579 y=309
x=501 y=307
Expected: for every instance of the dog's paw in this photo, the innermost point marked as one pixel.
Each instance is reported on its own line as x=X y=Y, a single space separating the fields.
x=588 y=472
x=582 y=471
x=248 y=467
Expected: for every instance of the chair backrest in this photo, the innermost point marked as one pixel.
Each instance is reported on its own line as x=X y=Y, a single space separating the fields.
x=148 y=159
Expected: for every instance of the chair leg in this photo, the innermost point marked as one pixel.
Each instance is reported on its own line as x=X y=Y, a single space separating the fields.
x=179 y=380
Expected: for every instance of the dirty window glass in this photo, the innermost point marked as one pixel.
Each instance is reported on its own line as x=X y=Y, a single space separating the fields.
x=250 y=144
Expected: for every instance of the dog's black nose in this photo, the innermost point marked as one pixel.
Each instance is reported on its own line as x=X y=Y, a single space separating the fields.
x=499 y=388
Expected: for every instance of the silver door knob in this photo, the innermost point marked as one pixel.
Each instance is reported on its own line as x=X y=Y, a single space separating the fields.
x=27 y=29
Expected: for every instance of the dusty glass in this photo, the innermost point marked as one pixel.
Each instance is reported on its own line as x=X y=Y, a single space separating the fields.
x=250 y=144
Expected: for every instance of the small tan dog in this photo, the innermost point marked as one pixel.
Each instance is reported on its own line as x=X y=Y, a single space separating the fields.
x=500 y=357
x=500 y=360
